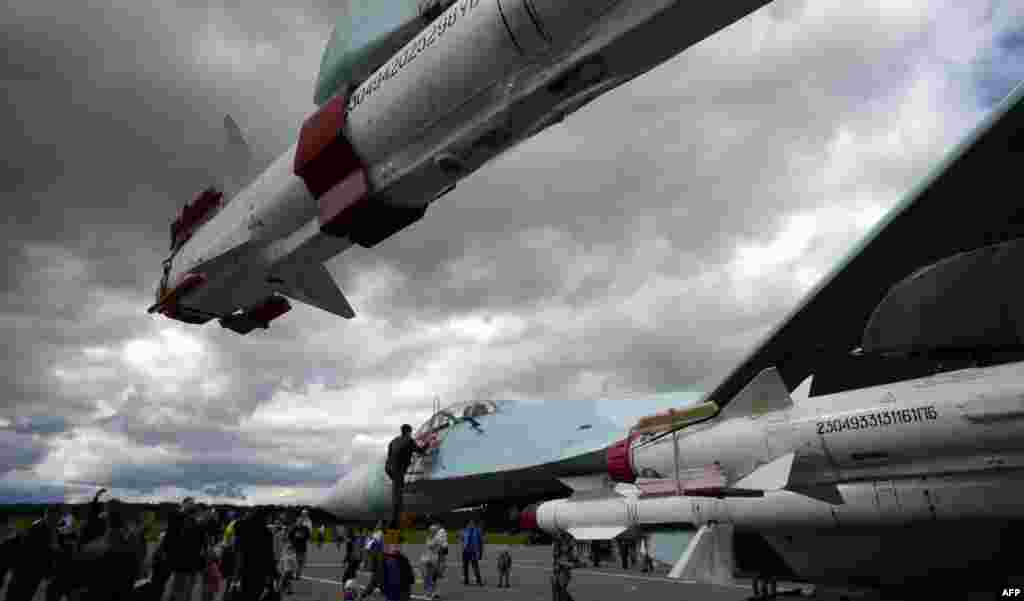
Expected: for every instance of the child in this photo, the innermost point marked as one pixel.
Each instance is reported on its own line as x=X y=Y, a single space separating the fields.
x=504 y=568
x=351 y=590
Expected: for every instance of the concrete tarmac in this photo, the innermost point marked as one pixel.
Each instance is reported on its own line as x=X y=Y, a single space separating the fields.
x=530 y=579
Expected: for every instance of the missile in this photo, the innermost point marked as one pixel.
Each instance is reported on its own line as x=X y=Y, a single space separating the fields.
x=940 y=448
x=393 y=135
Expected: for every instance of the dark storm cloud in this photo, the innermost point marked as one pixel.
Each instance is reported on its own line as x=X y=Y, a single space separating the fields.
x=40 y=424
x=200 y=475
x=32 y=492
x=111 y=119
x=19 y=450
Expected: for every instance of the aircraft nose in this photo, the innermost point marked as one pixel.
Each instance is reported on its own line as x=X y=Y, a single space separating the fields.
x=362 y=494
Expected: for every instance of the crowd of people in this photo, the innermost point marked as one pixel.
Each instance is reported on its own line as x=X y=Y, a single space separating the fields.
x=243 y=554
x=253 y=554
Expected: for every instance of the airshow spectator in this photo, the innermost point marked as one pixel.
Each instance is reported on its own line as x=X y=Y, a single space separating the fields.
x=504 y=568
x=397 y=576
x=255 y=564
x=185 y=551
x=375 y=558
x=441 y=538
x=400 y=451
x=95 y=523
x=35 y=551
x=472 y=552
x=341 y=534
x=299 y=536
x=353 y=556
x=117 y=564
x=428 y=562
x=563 y=560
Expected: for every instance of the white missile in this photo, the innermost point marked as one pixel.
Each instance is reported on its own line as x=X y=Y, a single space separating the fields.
x=472 y=82
x=870 y=482
x=895 y=503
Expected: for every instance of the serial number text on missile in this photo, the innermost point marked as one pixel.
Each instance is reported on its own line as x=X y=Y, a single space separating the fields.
x=424 y=41
x=878 y=419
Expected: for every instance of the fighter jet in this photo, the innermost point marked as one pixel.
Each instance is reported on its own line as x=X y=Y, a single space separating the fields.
x=413 y=96
x=903 y=466
x=504 y=454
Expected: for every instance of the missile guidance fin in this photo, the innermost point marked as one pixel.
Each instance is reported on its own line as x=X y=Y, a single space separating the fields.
x=596 y=532
x=589 y=487
x=238 y=167
x=315 y=286
x=764 y=394
x=773 y=475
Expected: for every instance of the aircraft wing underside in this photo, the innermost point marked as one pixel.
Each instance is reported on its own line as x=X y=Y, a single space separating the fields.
x=965 y=203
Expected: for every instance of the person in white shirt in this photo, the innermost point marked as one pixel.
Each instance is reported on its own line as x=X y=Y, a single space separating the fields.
x=429 y=563
x=442 y=540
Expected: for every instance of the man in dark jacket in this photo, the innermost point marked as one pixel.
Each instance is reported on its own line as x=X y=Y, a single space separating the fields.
x=398 y=577
x=185 y=547
x=400 y=452
x=255 y=566
x=36 y=551
x=299 y=535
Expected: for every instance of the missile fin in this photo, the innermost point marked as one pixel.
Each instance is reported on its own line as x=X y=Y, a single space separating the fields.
x=596 y=532
x=315 y=286
x=238 y=168
x=590 y=487
x=765 y=393
x=773 y=475
x=828 y=493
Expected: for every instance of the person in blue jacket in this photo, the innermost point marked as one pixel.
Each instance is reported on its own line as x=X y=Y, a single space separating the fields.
x=472 y=552
x=398 y=577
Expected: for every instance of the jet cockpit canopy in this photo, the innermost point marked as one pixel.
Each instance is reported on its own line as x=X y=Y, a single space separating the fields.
x=455 y=413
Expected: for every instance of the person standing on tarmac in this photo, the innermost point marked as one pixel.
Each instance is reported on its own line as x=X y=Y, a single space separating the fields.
x=185 y=547
x=472 y=552
x=299 y=536
x=563 y=558
x=375 y=559
x=35 y=553
x=255 y=564
x=400 y=452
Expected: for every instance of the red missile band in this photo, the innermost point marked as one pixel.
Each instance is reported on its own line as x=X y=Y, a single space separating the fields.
x=187 y=283
x=269 y=310
x=528 y=519
x=330 y=167
x=617 y=458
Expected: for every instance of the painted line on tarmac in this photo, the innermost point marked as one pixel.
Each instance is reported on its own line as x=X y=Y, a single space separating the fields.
x=635 y=577
x=329 y=581
x=583 y=571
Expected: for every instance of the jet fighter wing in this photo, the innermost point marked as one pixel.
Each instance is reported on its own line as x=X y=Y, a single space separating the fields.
x=958 y=207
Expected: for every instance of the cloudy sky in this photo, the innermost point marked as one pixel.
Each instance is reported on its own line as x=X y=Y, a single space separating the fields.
x=640 y=247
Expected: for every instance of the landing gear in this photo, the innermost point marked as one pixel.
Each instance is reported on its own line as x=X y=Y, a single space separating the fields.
x=765 y=587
